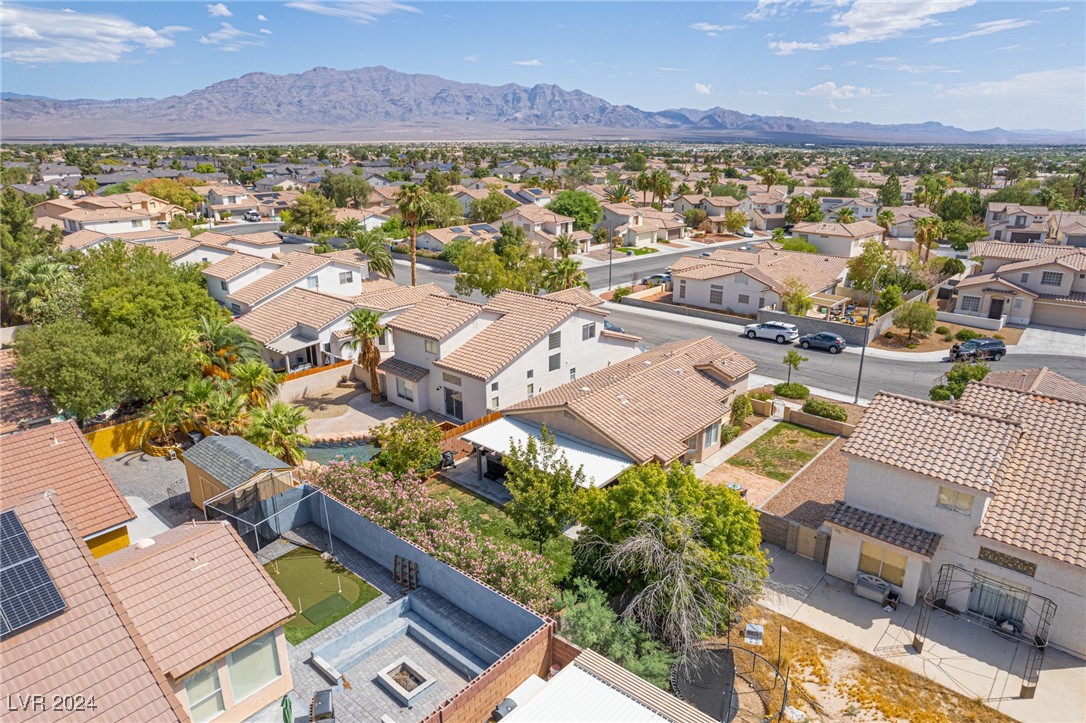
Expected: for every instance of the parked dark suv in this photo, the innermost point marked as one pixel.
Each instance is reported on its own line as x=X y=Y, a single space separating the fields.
x=978 y=349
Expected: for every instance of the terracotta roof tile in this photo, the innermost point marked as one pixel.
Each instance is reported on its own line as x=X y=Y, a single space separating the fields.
x=270 y=321
x=81 y=239
x=294 y=267
x=577 y=295
x=404 y=369
x=390 y=297
x=92 y=647
x=886 y=529
x=857 y=229
x=185 y=632
x=435 y=317
x=57 y=457
x=19 y=404
x=233 y=266
x=1043 y=381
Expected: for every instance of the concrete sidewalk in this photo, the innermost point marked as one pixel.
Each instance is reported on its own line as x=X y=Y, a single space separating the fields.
x=737 y=445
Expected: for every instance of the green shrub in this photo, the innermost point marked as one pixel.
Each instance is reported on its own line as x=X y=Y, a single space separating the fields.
x=911 y=345
x=948 y=337
x=820 y=408
x=888 y=335
x=966 y=335
x=761 y=396
x=621 y=293
x=939 y=393
x=741 y=409
x=792 y=390
x=729 y=432
x=998 y=336
x=943 y=330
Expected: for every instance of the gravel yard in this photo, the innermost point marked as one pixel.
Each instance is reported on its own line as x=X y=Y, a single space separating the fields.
x=809 y=497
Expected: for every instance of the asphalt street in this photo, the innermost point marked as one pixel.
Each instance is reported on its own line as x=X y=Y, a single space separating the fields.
x=836 y=373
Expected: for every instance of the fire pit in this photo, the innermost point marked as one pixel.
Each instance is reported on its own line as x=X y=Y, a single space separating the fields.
x=406 y=681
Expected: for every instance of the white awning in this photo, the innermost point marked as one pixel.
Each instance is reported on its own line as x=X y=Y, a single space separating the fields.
x=600 y=465
x=292 y=342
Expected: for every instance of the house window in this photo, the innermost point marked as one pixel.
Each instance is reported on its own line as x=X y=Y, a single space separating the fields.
x=761 y=302
x=453 y=379
x=555 y=362
x=403 y=391
x=137 y=224
x=744 y=299
x=312 y=282
x=554 y=340
x=884 y=562
x=494 y=403
x=712 y=434
x=951 y=499
x=253 y=666
x=1020 y=221
x=692 y=445
x=236 y=308
x=1051 y=278
x=1025 y=278
x=1018 y=303
x=346 y=277
x=531 y=391
x=531 y=373
x=223 y=285
x=572 y=373
x=682 y=289
x=205 y=694
x=716 y=295
x=971 y=304
x=494 y=387
x=588 y=331
x=998 y=235
x=431 y=346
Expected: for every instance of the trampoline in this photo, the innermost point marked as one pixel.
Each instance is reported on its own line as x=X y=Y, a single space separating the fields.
x=708 y=684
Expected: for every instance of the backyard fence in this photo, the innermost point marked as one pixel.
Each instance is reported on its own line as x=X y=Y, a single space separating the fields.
x=473 y=424
x=821 y=424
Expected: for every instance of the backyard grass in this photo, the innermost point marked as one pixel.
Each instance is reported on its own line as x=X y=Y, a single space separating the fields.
x=321 y=591
x=487 y=518
x=641 y=250
x=782 y=451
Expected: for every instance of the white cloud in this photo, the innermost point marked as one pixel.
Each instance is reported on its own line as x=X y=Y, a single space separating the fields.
x=533 y=62
x=262 y=18
x=230 y=39
x=988 y=28
x=754 y=92
x=43 y=35
x=703 y=88
x=829 y=89
x=265 y=31
x=1044 y=98
x=1062 y=9
x=219 y=10
x=360 y=11
x=472 y=58
x=871 y=21
x=666 y=69
x=710 y=29
x=766 y=9
x=910 y=68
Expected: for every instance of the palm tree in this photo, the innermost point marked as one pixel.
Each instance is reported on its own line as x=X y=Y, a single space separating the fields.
x=643 y=182
x=196 y=395
x=226 y=411
x=699 y=186
x=770 y=177
x=37 y=282
x=926 y=232
x=714 y=176
x=565 y=274
x=885 y=218
x=372 y=243
x=219 y=346
x=565 y=245
x=365 y=328
x=277 y=430
x=412 y=206
x=348 y=228
x=256 y=382
x=618 y=193
x=845 y=215
x=165 y=418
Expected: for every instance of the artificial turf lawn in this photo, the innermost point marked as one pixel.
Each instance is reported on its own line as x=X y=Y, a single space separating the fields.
x=782 y=451
x=313 y=587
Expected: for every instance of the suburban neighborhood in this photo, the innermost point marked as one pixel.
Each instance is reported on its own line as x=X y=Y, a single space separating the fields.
x=694 y=420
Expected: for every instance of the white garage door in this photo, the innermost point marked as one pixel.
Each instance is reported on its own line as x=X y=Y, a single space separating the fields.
x=1072 y=317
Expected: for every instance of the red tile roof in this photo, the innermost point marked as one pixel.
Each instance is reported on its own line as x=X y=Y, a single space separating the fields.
x=18 y=403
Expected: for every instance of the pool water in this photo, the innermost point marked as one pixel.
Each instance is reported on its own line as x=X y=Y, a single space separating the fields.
x=325 y=453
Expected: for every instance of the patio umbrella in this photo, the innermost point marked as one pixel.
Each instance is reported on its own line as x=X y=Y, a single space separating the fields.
x=288 y=709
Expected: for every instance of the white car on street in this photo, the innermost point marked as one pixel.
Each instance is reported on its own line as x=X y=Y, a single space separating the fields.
x=779 y=331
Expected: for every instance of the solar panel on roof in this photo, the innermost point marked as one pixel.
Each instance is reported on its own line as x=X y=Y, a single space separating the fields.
x=456 y=229
x=27 y=592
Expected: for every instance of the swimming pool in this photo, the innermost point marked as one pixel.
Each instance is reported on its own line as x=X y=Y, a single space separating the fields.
x=325 y=452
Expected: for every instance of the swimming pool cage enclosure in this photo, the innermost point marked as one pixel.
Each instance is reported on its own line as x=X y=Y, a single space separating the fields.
x=1007 y=610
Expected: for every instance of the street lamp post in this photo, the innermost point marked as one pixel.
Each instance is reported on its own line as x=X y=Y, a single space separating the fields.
x=610 y=249
x=867 y=329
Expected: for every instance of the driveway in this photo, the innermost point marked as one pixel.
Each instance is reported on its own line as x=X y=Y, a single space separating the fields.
x=1051 y=340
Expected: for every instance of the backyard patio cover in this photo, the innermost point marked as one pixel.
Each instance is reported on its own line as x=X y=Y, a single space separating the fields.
x=292 y=342
x=600 y=465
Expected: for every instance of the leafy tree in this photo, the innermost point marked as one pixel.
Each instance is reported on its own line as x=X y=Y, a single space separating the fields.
x=278 y=431
x=735 y=190
x=41 y=290
x=915 y=316
x=803 y=209
x=581 y=206
x=542 y=484
x=1011 y=194
x=373 y=244
x=491 y=208
x=951 y=267
x=889 y=299
x=365 y=328
x=843 y=183
x=959 y=234
x=695 y=217
x=19 y=238
x=177 y=192
x=413 y=202
x=311 y=214
x=735 y=221
x=792 y=359
x=10 y=175
x=890 y=192
x=87 y=185
x=957 y=206
x=800 y=244
x=636 y=162
x=481 y=269
x=204 y=168
x=578 y=173
x=409 y=443
x=442 y=210
x=956 y=380
x=741 y=409
x=796 y=297
x=862 y=268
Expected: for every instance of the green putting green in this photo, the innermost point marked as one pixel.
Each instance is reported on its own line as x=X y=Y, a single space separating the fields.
x=321 y=591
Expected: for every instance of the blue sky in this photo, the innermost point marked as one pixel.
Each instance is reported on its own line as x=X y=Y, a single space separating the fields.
x=970 y=63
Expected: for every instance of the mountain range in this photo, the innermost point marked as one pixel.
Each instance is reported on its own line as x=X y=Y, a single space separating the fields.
x=324 y=104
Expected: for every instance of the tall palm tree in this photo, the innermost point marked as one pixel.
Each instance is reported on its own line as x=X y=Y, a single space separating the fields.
x=348 y=228
x=926 y=231
x=643 y=182
x=227 y=412
x=618 y=193
x=256 y=382
x=196 y=395
x=565 y=245
x=662 y=183
x=565 y=274
x=37 y=282
x=885 y=218
x=714 y=176
x=412 y=206
x=845 y=215
x=365 y=329
x=165 y=418
x=372 y=243
x=219 y=346
x=278 y=431
x=770 y=177
x=700 y=186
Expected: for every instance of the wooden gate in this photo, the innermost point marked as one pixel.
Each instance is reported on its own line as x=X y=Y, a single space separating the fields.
x=806 y=541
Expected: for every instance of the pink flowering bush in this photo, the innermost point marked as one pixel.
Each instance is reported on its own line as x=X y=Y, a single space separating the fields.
x=403 y=506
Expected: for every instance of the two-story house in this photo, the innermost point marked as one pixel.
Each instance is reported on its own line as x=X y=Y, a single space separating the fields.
x=340 y=273
x=1067 y=228
x=766 y=210
x=436 y=239
x=160 y=211
x=973 y=507
x=638 y=226
x=232 y=200
x=463 y=359
x=1016 y=223
x=904 y=224
x=541 y=226
x=839 y=239
x=864 y=210
x=105 y=220
x=1027 y=284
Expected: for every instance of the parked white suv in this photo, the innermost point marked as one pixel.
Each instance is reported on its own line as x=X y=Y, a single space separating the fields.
x=779 y=331
x=252 y=216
